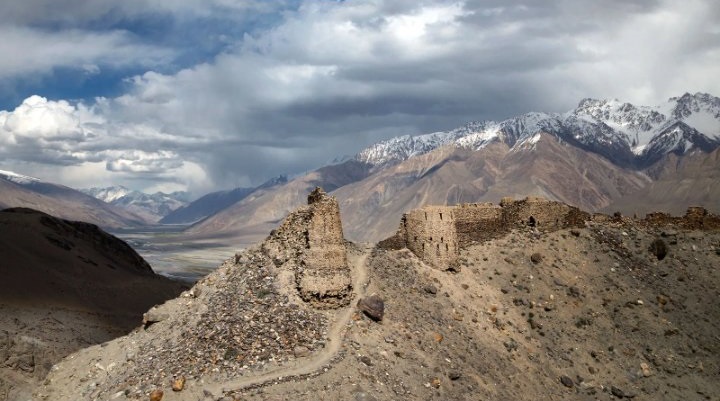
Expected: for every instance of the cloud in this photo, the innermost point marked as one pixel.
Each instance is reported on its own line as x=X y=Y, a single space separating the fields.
x=45 y=132
x=30 y=51
x=324 y=79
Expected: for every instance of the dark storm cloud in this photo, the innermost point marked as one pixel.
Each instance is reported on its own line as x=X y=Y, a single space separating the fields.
x=324 y=79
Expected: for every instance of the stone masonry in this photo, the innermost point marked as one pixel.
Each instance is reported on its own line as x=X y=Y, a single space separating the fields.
x=437 y=233
x=311 y=241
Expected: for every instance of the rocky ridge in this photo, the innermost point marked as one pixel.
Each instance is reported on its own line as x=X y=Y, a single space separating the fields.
x=539 y=311
x=257 y=312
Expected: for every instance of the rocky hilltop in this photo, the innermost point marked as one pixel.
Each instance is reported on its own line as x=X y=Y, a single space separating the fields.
x=531 y=299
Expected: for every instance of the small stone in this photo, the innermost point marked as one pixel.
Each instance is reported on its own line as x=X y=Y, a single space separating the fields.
x=454 y=375
x=645 y=369
x=575 y=233
x=536 y=258
x=179 y=384
x=153 y=316
x=619 y=393
x=435 y=382
x=364 y=396
x=156 y=395
x=566 y=381
x=438 y=337
x=373 y=306
x=430 y=289
x=366 y=360
x=301 y=352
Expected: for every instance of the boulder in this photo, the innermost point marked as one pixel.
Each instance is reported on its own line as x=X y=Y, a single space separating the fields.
x=373 y=306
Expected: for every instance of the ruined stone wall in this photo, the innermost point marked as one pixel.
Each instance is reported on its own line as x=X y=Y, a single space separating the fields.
x=431 y=235
x=310 y=241
x=478 y=222
x=542 y=214
x=696 y=218
x=436 y=233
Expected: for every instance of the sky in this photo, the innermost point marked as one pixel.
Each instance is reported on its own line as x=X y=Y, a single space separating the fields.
x=202 y=95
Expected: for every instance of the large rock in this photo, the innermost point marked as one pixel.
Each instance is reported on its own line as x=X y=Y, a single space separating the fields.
x=373 y=306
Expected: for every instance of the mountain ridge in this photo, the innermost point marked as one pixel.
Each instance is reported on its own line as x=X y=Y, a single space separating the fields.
x=595 y=156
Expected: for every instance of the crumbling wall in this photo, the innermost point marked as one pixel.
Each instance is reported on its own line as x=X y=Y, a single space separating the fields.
x=478 y=222
x=541 y=213
x=436 y=233
x=696 y=218
x=431 y=235
x=310 y=241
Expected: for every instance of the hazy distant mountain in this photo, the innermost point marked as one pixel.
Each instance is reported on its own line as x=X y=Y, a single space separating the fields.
x=213 y=202
x=18 y=190
x=152 y=207
x=594 y=156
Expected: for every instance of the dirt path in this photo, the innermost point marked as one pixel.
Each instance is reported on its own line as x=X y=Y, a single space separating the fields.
x=306 y=366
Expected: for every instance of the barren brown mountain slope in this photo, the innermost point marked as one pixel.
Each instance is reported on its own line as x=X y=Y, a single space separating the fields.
x=450 y=176
x=66 y=203
x=678 y=181
x=593 y=313
x=371 y=200
x=248 y=221
x=65 y=285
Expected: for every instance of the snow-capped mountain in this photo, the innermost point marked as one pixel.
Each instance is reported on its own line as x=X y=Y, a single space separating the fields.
x=626 y=134
x=18 y=190
x=17 y=178
x=107 y=194
x=151 y=206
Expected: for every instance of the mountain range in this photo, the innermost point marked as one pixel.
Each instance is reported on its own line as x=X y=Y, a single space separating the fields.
x=604 y=155
x=152 y=207
x=214 y=202
x=17 y=190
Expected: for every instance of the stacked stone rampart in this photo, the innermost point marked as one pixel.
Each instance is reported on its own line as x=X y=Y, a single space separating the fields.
x=437 y=233
x=696 y=218
x=311 y=241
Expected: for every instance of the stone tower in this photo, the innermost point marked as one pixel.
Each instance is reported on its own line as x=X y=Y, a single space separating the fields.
x=311 y=241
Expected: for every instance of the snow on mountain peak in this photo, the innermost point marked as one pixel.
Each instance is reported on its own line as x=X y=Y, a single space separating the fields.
x=17 y=178
x=618 y=130
x=107 y=194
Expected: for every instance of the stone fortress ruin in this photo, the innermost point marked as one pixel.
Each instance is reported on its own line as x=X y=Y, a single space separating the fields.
x=310 y=240
x=437 y=233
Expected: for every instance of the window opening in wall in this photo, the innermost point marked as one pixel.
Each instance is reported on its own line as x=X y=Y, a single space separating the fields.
x=447 y=248
x=532 y=222
x=440 y=216
x=415 y=239
x=441 y=239
x=425 y=215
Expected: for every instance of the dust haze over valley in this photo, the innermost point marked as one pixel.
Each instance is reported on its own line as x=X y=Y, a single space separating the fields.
x=367 y=200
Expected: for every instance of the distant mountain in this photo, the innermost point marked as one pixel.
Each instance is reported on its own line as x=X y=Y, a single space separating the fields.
x=627 y=135
x=107 y=194
x=213 y=202
x=17 y=190
x=152 y=207
x=594 y=156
